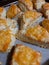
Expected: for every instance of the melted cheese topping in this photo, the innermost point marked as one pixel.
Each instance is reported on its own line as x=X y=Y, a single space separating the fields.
x=46 y=6
x=26 y=56
x=5 y=39
x=38 y=33
x=28 y=4
x=13 y=11
x=45 y=24
x=32 y=14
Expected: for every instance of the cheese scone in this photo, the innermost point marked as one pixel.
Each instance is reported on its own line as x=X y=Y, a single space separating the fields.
x=12 y=11
x=45 y=10
x=8 y=30
x=36 y=35
x=38 y=4
x=24 y=55
x=2 y=12
x=12 y=25
x=7 y=40
x=29 y=18
x=6 y=23
x=45 y=24
x=25 y=5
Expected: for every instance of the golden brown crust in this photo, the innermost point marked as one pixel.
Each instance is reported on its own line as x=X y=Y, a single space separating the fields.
x=27 y=4
x=8 y=29
x=32 y=14
x=26 y=56
x=46 y=6
x=1 y=9
x=45 y=10
x=5 y=39
x=33 y=41
x=38 y=33
x=3 y=21
x=29 y=18
x=12 y=11
x=45 y=24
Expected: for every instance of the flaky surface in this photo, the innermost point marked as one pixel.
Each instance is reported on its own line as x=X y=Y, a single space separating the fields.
x=24 y=55
x=12 y=11
x=28 y=4
x=38 y=33
x=32 y=14
x=46 y=6
x=8 y=29
x=45 y=10
x=3 y=23
x=45 y=24
x=38 y=4
x=5 y=39
x=29 y=18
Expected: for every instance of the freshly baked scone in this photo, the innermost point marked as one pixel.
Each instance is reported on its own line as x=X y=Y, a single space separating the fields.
x=29 y=18
x=12 y=11
x=7 y=40
x=24 y=55
x=12 y=25
x=36 y=35
x=38 y=4
x=25 y=5
x=8 y=29
x=45 y=24
x=45 y=10
x=2 y=12
x=6 y=23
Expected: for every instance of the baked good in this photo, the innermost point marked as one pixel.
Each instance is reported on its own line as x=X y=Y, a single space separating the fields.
x=25 y=5
x=8 y=30
x=29 y=18
x=12 y=11
x=24 y=55
x=2 y=12
x=45 y=24
x=36 y=35
x=6 y=23
x=45 y=10
x=12 y=25
x=38 y=4
x=7 y=40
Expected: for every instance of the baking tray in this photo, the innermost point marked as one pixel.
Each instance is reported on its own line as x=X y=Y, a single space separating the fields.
x=45 y=52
